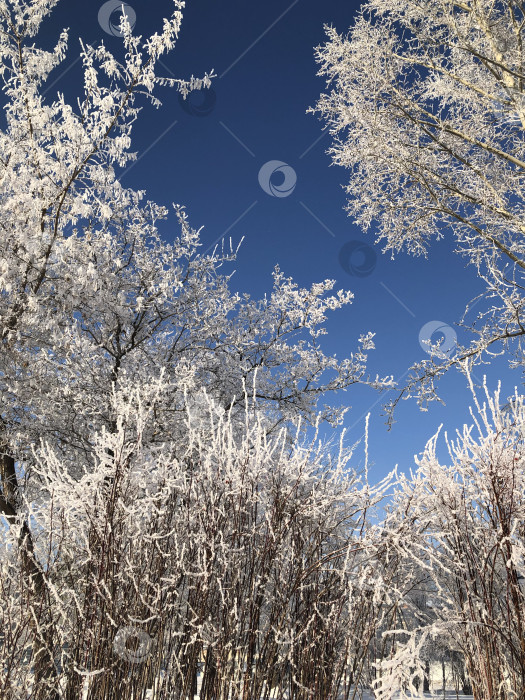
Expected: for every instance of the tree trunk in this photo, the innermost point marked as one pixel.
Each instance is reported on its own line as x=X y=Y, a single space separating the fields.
x=426 y=678
x=45 y=673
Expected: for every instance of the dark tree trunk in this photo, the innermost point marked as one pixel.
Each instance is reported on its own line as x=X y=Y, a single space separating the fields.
x=426 y=678
x=34 y=580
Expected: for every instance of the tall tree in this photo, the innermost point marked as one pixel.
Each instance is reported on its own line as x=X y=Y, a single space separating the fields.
x=426 y=109
x=94 y=304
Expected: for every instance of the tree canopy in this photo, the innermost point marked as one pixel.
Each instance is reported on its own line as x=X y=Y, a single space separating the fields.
x=425 y=105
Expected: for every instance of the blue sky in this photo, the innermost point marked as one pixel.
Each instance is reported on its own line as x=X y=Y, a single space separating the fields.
x=207 y=155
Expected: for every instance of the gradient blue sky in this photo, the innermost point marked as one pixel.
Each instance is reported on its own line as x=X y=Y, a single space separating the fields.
x=209 y=161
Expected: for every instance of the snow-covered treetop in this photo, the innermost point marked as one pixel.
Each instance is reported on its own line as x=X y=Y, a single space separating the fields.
x=90 y=294
x=425 y=104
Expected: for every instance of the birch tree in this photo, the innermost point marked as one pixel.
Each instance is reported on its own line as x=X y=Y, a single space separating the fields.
x=425 y=105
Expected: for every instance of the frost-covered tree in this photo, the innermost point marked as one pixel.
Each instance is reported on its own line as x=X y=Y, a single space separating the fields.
x=94 y=305
x=462 y=526
x=426 y=107
x=237 y=565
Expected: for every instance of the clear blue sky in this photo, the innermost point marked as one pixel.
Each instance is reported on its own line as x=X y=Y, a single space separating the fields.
x=210 y=161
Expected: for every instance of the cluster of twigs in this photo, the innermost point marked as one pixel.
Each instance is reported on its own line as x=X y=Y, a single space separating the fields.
x=242 y=564
x=232 y=570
